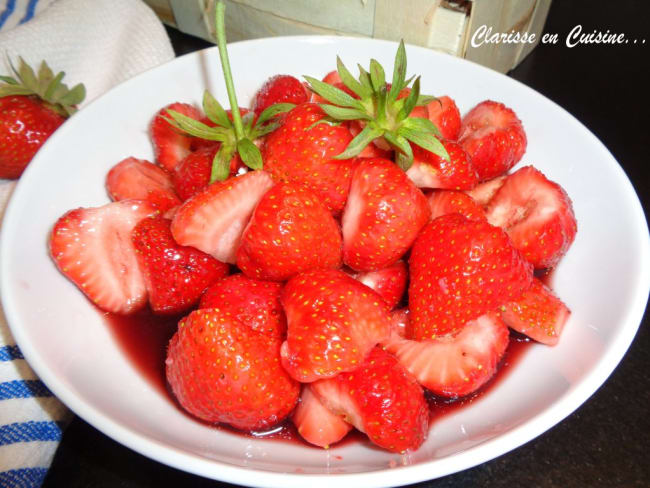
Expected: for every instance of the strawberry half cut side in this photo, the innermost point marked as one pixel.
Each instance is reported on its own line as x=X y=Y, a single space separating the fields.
x=92 y=247
x=214 y=219
x=456 y=364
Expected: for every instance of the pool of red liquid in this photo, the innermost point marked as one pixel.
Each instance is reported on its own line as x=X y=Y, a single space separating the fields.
x=144 y=337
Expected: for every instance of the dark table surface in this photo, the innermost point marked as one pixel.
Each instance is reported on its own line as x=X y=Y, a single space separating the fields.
x=606 y=442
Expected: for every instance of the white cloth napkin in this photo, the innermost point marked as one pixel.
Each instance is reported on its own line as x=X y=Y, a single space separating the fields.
x=100 y=43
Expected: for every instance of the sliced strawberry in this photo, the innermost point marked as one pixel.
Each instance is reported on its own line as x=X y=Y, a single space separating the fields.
x=383 y=215
x=456 y=364
x=92 y=247
x=214 y=219
x=221 y=370
x=494 y=138
x=315 y=423
x=400 y=322
x=290 y=231
x=389 y=282
x=280 y=89
x=301 y=151
x=538 y=313
x=139 y=179
x=483 y=192
x=380 y=398
x=255 y=303
x=443 y=202
x=333 y=322
x=175 y=276
x=170 y=145
x=461 y=269
x=432 y=171
x=537 y=214
x=445 y=115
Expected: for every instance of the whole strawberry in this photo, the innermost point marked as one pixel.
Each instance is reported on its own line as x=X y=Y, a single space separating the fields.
x=221 y=370
x=32 y=107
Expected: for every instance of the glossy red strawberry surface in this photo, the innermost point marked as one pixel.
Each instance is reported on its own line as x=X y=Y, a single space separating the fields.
x=383 y=215
x=432 y=171
x=169 y=144
x=389 y=282
x=175 y=276
x=461 y=269
x=280 y=89
x=221 y=370
x=443 y=202
x=445 y=115
x=255 y=303
x=290 y=231
x=316 y=423
x=333 y=321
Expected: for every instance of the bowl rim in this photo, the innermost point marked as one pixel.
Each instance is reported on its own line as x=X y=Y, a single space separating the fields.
x=490 y=449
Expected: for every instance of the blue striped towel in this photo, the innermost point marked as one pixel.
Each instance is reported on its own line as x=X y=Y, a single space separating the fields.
x=17 y=12
x=31 y=419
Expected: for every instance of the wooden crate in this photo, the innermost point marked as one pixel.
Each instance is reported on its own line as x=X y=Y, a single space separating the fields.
x=444 y=25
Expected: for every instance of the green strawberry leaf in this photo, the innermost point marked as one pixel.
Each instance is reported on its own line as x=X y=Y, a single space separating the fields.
x=9 y=80
x=273 y=110
x=426 y=100
x=196 y=128
x=424 y=140
x=342 y=113
x=364 y=79
x=73 y=97
x=10 y=90
x=332 y=94
x=53 y=87
x=399 y=73
x=411 y=100
x=350 y=81
x=45 y=77
x=377 y=75
x=250 y=154
x=214 y=111
x=421 y=125
x=363 y=138
x=221 y=163
x=404 y=153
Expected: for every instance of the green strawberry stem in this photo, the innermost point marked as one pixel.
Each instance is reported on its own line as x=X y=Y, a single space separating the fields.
x=220 y=25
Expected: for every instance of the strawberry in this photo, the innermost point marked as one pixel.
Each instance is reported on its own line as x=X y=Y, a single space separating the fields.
x=315 y=423
x=32 y=107
x=175 y=276
x=455 y=364
x=443 y=202
x=483 y=192
x=333 y=321
x=332 y=78
x=192 y=174
x=301 y=151
x=170 y=144
x=92 y=247
x=383 y=215
x=280 y=89
x=432 y=171
x=400 y=322
x=461 y=269
x=213 y=220
x=445 y=115
x=493 y=137
x=290 y=231
x=537 y=313
x=537 y=214
x=221 y=370
x=389 y=283
x=255 y=303
x=139 y=179
x=380 y=398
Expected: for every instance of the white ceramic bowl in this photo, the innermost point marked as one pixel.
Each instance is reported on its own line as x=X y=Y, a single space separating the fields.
x=604 y=278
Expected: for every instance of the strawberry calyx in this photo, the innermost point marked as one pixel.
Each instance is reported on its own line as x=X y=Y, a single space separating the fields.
x=236 y=136
x=383 y=112
x=45 y=85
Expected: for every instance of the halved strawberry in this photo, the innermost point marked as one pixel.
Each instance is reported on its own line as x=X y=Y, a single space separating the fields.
x=483 y=192
x=280 y=89
x=290 y=231
x=255 y=303
x=175 y=276
x=333 y=322
x=139 y=179
x=455 y=364
x=380 y=398
x=431 y=171
x=221 y=370
x=493 y=137
x=389 y=282
x=169 y=144
x=461 y=269
x=537 y=214
x=315 y=423
x=92 y=247
x=443 y=202
x=302 y=151
x=538 y=313
x=383 y=215
x=445 y=115
x=214 y=219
